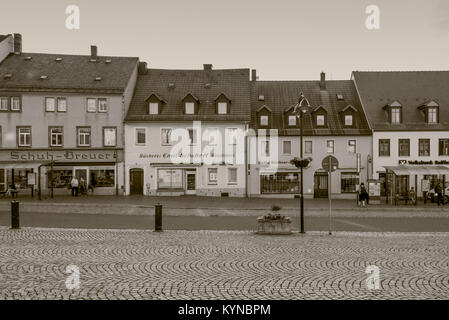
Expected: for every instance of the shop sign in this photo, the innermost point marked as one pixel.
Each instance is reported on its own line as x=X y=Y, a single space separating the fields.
x=62 y=155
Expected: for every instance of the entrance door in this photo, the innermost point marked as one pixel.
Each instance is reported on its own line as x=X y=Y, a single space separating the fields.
x=81 y=173
x=191 y=182
x=321 y=185
x=2 y=180
x=136 y=181
x=402 y=185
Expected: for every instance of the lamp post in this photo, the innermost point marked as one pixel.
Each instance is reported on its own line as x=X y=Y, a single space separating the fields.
x=300 y=110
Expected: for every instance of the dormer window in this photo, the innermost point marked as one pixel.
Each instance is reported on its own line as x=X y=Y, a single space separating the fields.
x=190 y=104
x=190 y=108
x=264 y=116
x=395 y=115
x=154 y=108
x=431 y=112
x=222 y=104
x=292 y=120
x=264 y=121
x=319 y=116
x=349 y=120
x=432 y=115
x=154 y=104
x=320 y=120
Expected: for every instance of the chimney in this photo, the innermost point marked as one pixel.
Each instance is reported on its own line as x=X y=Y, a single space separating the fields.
x=93 y=53
x=17 y=43
x=323 y=81
x=142 y=68
x=207 y=67
x=253 y=75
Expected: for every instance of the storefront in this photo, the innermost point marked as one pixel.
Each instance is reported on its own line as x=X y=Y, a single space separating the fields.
x=399 y=180
x=100 y=169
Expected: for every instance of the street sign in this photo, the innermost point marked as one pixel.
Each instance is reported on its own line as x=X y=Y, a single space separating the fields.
x=329 y=164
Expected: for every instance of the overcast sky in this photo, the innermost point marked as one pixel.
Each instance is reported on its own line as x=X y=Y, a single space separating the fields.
x=282 y=39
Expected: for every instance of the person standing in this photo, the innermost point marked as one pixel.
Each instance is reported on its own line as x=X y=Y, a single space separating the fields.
x=74 y=185
x=439 y=192
x=363 y=195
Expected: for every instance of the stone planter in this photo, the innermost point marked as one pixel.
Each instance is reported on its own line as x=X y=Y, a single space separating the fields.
x=274 y=226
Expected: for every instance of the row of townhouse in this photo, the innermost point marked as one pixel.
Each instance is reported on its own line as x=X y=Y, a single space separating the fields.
x=113 y=121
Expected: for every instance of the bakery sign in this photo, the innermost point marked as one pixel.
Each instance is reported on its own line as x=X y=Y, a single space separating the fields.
x=62 y=155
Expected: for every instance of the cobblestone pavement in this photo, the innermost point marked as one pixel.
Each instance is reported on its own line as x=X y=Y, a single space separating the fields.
x=117 y=264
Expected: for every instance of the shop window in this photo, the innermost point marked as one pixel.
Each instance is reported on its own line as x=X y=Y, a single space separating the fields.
x=169 y=178
x=110 y=137
x=424 y=147
x=352 y=146
x=384 y=147
x=349 y=182
x=404 y=147
x=287 y=147
x=140 y=136
x=232 y=175
x=308 y=147
x=24 y=136
x=330 y=146
x=84 y=136
x=61 y=179
x=212 y=174
x=102 y=178
x=21 y=177
x=56 y=136
x=281 y=182
x=443 y=147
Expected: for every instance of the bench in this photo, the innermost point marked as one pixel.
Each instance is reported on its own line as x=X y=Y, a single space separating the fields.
x=406 y=199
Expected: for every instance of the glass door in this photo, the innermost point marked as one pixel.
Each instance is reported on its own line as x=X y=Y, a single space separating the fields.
x=191 y=182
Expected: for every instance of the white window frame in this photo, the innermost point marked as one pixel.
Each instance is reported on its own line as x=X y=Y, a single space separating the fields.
x=15 y=104
x=114 y=129
x=283 y=147
x=169 y=137
x=290 y=117
x=220 y=106
x=311 y=146
x=57 y=134
x=349 y=120
x=320 y=123
x=103 y=108
x=153 y=108
x=354 y=146
x=432 y=115
x=262 y=122
x=4 y=103
x=215 y=180
x=187 y=107
x=328 y=146
x=58 y=105
x=91 y=108
x=137 y=143
x=26 y=135
x=84 y=135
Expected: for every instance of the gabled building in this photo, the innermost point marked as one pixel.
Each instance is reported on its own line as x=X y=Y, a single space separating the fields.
x=200 y=103
x=336 y=125
x=408 y=113
x=62 y=116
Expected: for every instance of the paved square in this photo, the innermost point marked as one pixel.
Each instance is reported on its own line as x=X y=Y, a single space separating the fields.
x=116 y=264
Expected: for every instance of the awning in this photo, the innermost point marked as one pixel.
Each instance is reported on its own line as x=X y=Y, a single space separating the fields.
x=419 y=170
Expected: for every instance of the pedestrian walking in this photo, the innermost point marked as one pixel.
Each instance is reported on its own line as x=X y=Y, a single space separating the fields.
x=74 y=185
x=363 y=195
x=412 y=195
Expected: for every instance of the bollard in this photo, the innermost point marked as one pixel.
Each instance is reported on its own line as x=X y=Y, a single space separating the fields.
x=15 y=219
x=158 y=217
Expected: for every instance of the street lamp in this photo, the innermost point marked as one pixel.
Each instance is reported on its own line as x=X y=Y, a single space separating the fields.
x=300 y=110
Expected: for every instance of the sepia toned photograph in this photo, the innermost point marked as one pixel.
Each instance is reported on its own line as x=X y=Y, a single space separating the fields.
x=235 y=152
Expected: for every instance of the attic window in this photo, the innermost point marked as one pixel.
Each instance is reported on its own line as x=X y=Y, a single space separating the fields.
x=340 y=97
x=207 y=85
x=320 y=120
x=261 y=97
x=108 y=61
x=171 y=85
x=7 y=76
x=28 y=58
x=189 y=108
x=58 y=59
x=98 y=79
x=348 y=120
x=43 y=77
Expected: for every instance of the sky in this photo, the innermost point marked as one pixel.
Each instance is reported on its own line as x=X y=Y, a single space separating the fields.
x=282 y=39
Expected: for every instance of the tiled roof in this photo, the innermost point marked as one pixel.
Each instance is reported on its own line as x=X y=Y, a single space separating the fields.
x=280 y=95
x=71 y=73
x=205 y=85
x=2 y=37
x=411 y=89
